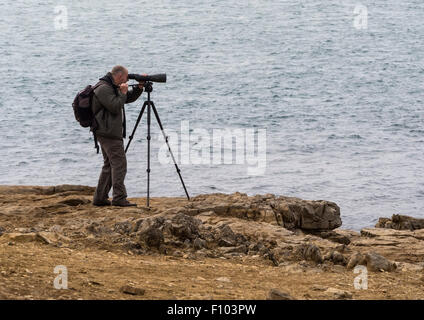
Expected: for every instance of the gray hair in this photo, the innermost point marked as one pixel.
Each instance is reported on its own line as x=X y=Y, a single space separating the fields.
x=116 y=70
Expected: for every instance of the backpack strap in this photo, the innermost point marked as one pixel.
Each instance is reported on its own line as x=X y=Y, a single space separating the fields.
x=96 y=144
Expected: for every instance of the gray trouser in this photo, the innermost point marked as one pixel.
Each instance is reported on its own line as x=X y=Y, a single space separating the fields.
x=113 y=171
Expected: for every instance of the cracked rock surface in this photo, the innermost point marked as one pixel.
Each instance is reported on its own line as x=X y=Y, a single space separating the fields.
x=224 y=232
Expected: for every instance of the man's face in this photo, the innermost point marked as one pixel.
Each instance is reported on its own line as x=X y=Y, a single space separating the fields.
x=121 y=78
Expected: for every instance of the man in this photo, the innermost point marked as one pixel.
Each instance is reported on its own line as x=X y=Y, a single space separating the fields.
x=108 y=106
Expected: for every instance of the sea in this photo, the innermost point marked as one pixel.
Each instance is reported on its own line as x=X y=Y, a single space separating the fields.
x=321 y=100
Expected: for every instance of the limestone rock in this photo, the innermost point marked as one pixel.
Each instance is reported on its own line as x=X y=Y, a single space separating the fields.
x=136 y=225
x=376 y=262
x=373 y=261
x=337 y=258
x=132 y=290
x=56 y=228
x=124 y=227
x=308 y=215
x=185 y=226
x=310 y=252
x=51 y=237
x=318 y=288
x=332 y=236
x=150 y=232
x=73 y=201
x=405 y=266
x=356 y=259
x=240 y=249
x=20 y=237
x=275 y=294
x=226 y=243
x=25 y=230
x=339 y=294
x=226 y=237
x=78 y=188
x=400 y=222
x=42 y=237
x=290 y=212
x=199 y=244
x=97 y=229
x=153 y=237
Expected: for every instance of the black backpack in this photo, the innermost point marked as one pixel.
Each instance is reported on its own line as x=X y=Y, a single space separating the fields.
x=83 y=111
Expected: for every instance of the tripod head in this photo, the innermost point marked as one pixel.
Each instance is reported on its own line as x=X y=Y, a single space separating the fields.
x=148 y=86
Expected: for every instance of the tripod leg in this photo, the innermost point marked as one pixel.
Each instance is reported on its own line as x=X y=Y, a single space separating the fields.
x=136 y=125
x=169 y=148
x=148 y=153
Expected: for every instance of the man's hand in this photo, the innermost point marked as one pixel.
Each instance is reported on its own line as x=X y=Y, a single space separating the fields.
x=124 y=88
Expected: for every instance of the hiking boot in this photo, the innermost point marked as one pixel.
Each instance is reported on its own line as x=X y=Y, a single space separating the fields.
x=123 y=203
x=101 y=203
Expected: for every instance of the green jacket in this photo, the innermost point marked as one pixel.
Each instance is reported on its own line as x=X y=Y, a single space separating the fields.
x=108 y=107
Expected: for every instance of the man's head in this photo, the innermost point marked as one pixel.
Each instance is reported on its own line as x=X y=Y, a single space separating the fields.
x=119 y=75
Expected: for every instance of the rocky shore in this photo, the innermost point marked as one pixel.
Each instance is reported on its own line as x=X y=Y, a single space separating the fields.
x=216 y=246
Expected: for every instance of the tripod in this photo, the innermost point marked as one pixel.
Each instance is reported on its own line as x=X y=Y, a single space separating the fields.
x=150 y=105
